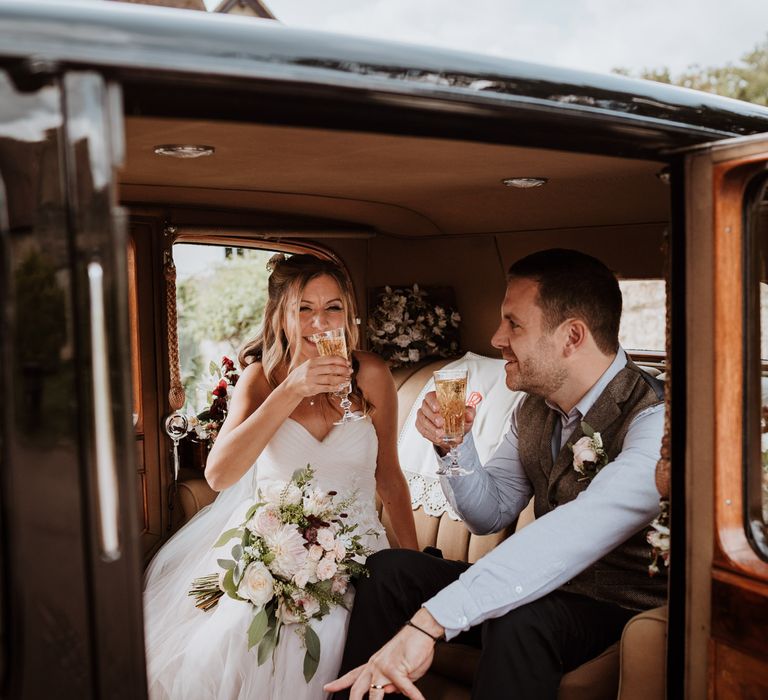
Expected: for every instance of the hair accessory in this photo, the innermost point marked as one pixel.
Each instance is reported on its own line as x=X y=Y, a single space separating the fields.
x=275 y=260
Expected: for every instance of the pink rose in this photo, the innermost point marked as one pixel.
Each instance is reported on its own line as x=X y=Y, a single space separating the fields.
x=326 y=568
x=583 y=452
x=325 y=539
x=265 y=521
x=340 y=584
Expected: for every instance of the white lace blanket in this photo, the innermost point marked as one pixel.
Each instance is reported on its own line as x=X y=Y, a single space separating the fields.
x=417 y=457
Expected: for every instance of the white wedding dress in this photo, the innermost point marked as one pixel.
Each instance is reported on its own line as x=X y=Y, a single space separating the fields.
x=195 y=655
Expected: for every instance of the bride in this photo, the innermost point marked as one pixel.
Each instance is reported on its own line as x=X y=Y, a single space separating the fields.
x=281 y=418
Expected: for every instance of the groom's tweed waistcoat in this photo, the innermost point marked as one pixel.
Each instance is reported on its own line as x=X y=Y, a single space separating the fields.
x=621 y=576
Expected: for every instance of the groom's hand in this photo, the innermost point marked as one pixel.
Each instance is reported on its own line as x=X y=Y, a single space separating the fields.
x=400 y=662
x=430 y=423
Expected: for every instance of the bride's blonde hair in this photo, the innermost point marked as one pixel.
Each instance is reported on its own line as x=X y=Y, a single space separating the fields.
x=289 y=276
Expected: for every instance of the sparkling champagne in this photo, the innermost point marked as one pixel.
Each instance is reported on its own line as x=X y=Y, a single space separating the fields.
x=451 y=396
x=328 y=347
x=332 y=344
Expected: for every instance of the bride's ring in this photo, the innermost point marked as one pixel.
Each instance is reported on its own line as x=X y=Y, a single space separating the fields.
x=378 y=686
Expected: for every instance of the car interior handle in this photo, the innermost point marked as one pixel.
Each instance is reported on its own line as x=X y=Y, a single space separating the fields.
x=104 y=434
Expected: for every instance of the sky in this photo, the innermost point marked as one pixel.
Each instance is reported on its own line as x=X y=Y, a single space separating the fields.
x=595 y=35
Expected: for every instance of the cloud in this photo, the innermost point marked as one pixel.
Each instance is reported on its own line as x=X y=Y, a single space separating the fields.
x=586 y=34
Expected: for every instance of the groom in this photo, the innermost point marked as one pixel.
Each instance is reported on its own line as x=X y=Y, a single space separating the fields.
x=559 y=592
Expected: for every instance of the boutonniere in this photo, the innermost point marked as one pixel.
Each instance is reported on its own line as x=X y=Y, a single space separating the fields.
x=589 y=457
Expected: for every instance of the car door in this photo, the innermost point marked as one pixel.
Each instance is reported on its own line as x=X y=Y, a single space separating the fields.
x=70 y=565
x=724 y=521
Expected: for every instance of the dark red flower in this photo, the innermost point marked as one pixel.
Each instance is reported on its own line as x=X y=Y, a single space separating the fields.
x=221 y=389
x=227 y=364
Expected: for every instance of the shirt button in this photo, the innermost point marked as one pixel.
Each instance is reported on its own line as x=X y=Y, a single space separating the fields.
x=518 y=589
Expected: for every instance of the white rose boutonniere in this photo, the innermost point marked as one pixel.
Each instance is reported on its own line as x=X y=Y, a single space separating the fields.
x=589 y=457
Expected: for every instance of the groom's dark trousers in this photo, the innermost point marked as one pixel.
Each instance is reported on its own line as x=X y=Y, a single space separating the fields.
x=523 y=653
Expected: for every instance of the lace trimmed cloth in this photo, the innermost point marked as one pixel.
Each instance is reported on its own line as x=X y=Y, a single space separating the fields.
x=417 y=456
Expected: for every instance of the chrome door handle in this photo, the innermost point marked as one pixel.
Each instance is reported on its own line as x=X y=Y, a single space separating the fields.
x=104 y=433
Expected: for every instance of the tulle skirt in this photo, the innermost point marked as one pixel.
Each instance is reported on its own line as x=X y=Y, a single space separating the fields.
x=196 y=655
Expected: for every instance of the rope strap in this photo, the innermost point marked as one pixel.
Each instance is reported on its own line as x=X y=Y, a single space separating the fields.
x=176 y=395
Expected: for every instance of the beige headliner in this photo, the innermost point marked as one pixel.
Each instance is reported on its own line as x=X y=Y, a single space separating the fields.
x=398 y=185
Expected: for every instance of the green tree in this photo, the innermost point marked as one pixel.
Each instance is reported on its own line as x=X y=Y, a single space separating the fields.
x=746 y=80
x=217 y=311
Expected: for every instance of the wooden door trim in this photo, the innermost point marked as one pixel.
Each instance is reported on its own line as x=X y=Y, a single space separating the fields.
x=732 y=550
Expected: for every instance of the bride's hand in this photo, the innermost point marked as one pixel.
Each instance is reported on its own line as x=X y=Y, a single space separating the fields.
x=318 y=375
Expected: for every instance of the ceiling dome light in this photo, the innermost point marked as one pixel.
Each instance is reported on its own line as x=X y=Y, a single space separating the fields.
x=184 y=150
x=525 y=183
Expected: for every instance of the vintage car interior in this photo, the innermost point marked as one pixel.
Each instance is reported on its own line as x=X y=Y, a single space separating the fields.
x=403 y=175
x=394 y=210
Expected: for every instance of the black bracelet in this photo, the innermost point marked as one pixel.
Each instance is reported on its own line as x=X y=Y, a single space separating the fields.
x=435 y=639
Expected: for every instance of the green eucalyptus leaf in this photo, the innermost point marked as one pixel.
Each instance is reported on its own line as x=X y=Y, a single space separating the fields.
x=237 y=573
x=213 y=368
x=310 y=666
x=267 y=645
x=588 y=430
x=226 y=564
x=258 y=628
x=312 y=641
x=237 y=551
x=227 y=535
x=228 y=584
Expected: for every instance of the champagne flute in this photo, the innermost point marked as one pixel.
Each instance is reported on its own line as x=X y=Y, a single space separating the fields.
x=330 y=343
x=451 y=389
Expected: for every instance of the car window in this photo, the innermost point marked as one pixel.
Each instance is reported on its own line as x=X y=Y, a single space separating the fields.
x=643 y=316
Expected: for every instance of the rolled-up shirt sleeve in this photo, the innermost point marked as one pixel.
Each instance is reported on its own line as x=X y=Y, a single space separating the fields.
x=620 y=501
x=492 y=496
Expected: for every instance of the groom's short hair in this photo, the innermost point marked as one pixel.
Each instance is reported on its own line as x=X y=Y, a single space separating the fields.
x=575 y=285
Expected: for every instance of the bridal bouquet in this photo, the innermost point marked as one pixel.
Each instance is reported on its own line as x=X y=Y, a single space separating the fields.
x=295 y=554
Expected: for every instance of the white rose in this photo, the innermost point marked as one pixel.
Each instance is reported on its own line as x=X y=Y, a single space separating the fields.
x=292 y=495
x=340 y=550
x=326 y=568
x=413 y=355
x=583 y=452
x=325 y=539
x=316 y=501
x=402 y=340
x=257 y=584
x=389 y=327
x=316 y=552
x=265 y=521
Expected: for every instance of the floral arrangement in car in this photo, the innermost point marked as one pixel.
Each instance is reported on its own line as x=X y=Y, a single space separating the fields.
x=206 y=424
x=296 y=551
x=658 y=538
x=406 y=326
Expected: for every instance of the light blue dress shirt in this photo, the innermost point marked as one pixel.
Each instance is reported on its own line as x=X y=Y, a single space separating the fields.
x=618 y=502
